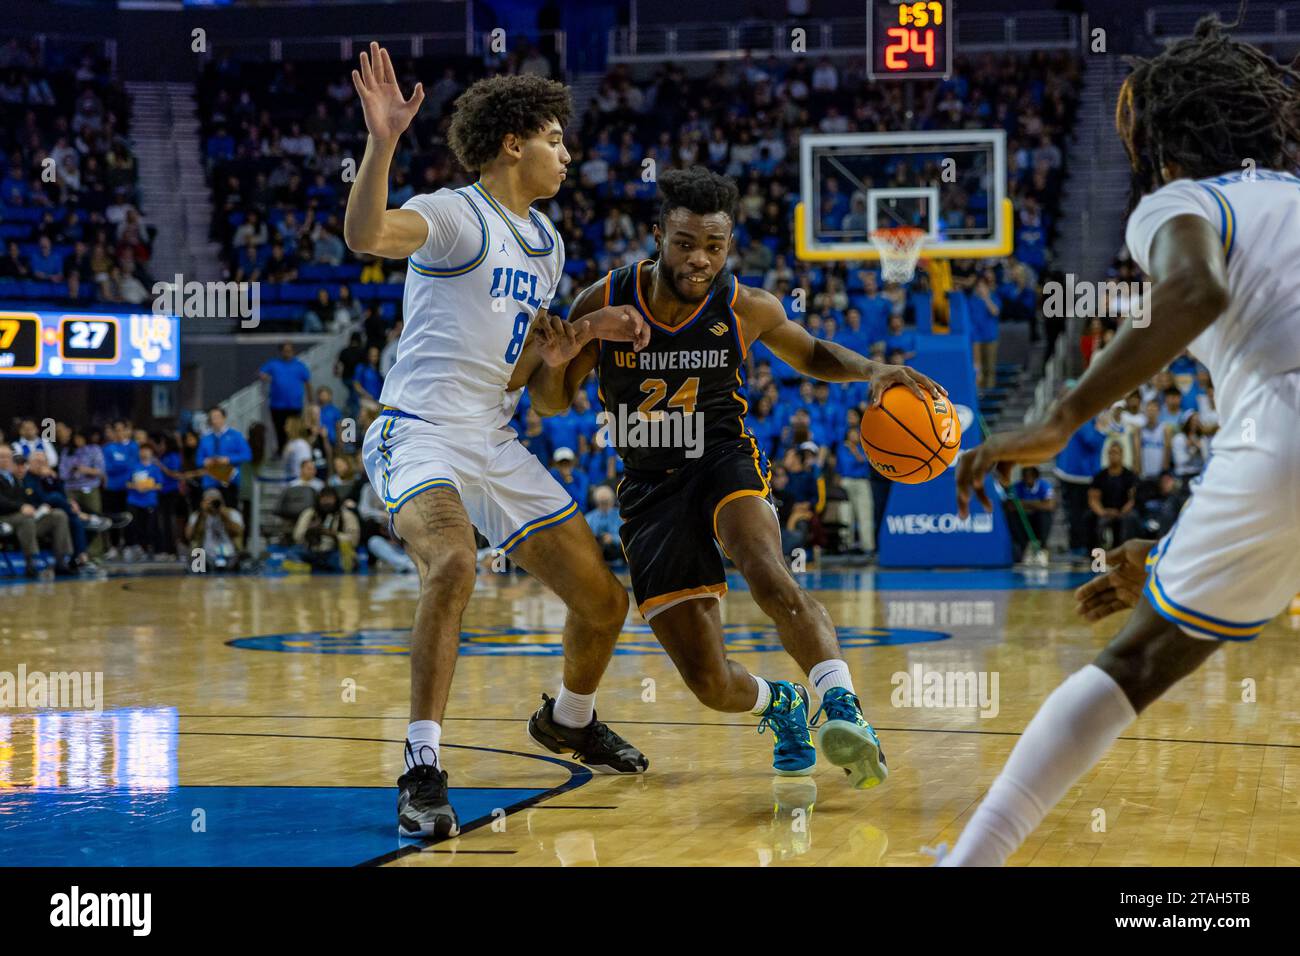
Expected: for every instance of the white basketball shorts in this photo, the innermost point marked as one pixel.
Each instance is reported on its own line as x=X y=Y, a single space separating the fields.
x=1231 y=562
x=507 y=492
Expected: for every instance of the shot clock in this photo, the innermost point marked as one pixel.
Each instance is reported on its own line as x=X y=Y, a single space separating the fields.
x=909 y=40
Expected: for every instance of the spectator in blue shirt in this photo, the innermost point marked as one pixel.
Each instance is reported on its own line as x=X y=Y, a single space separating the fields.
x=605 y=521
x=1171 y=411
x=47 y=263
x=290 y=386
x=221 y=145
x=330 y=416
x=142 y=534
x=534 y=437
x=1038 y=501
x=587 y=424
x=563 y=431
x=855 y=470
x=900 y=340
x=14 y=190
x=1019 y=298
x=121 y=455
x=764 y=426
x=221 y=447
x=1076 y=465
x=984 y=309
x=826 y=413
x=367 y=381
x=564 y=470
x=1031 y=236
x=171 y=503
x=801 y=471
x=875 y=307
x=851 y=335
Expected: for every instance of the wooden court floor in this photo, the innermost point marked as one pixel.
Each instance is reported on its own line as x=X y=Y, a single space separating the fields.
x=258 y=720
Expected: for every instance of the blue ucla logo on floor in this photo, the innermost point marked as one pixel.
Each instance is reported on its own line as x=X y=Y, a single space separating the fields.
x=547 y=641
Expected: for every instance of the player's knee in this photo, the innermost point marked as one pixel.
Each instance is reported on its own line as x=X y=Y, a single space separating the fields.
x=448 y=574
x=774 y=590
x=708 y=684
x=606 y=606
x=1145 y=669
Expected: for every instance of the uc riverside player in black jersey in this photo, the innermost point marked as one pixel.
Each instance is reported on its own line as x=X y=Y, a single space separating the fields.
x=694 y=475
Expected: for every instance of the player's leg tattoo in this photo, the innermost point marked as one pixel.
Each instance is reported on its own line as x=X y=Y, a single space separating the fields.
x=440 y=539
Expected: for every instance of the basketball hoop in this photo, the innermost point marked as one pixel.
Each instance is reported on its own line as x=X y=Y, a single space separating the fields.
x=900 y=248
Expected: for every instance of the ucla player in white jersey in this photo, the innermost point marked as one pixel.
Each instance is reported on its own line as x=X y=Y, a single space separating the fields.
x=1212 y=129
x=483 y=267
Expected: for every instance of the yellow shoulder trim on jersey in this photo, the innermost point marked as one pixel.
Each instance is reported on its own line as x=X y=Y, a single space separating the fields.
x=1227 y=218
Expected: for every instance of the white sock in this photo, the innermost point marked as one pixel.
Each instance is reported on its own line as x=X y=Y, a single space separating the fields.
x=574 y=710
x=828 y=674
x=1075 y=726
x=764 y=695
x=425 y=738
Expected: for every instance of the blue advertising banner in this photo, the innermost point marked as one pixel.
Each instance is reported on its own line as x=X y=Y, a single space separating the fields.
x=921 y=528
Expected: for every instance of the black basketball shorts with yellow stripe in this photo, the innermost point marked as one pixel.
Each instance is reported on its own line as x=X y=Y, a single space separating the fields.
x=670 y=522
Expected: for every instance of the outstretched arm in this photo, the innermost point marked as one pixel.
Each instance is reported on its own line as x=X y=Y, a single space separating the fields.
x=764 y=318
x=1190 y=274
x=368 y=224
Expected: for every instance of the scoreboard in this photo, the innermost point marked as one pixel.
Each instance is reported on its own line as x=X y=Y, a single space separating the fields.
x=77 y=345
x=909 y=40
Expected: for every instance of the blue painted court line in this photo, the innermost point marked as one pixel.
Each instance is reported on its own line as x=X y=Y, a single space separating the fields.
x=245 y=826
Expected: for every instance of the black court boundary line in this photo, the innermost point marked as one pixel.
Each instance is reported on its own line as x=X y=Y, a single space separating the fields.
x=687 y=723
x=578 y=776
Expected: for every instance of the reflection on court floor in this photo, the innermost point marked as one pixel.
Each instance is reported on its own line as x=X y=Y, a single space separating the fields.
x=209 y=749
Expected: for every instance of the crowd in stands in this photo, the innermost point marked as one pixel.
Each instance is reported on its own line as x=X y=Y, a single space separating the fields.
x=71 y=229
x=277 y=142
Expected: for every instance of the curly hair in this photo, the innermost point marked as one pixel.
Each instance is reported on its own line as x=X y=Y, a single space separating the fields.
x=498 y=105
x=698 y=189
x=1208 y=103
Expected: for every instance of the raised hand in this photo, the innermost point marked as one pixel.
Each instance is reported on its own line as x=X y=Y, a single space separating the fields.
x=387 y=113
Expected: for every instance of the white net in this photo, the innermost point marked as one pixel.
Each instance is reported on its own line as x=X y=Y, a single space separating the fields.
x=900 y=248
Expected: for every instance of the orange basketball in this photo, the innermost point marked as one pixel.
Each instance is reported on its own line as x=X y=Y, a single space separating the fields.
x=910 y=440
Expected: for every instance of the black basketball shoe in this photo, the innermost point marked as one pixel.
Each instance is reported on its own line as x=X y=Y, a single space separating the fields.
x=595 y=745
x=423 y=808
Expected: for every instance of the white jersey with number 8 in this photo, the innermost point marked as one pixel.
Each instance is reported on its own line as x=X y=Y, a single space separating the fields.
x=472 y=292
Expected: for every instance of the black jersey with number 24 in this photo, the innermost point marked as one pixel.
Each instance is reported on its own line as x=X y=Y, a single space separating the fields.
x=691 y=372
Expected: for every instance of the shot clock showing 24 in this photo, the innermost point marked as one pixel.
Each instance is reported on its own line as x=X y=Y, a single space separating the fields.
x=910 y=40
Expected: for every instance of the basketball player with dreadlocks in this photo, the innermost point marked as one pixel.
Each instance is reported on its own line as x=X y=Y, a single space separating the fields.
x=706 y=480
x=1211 y=127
